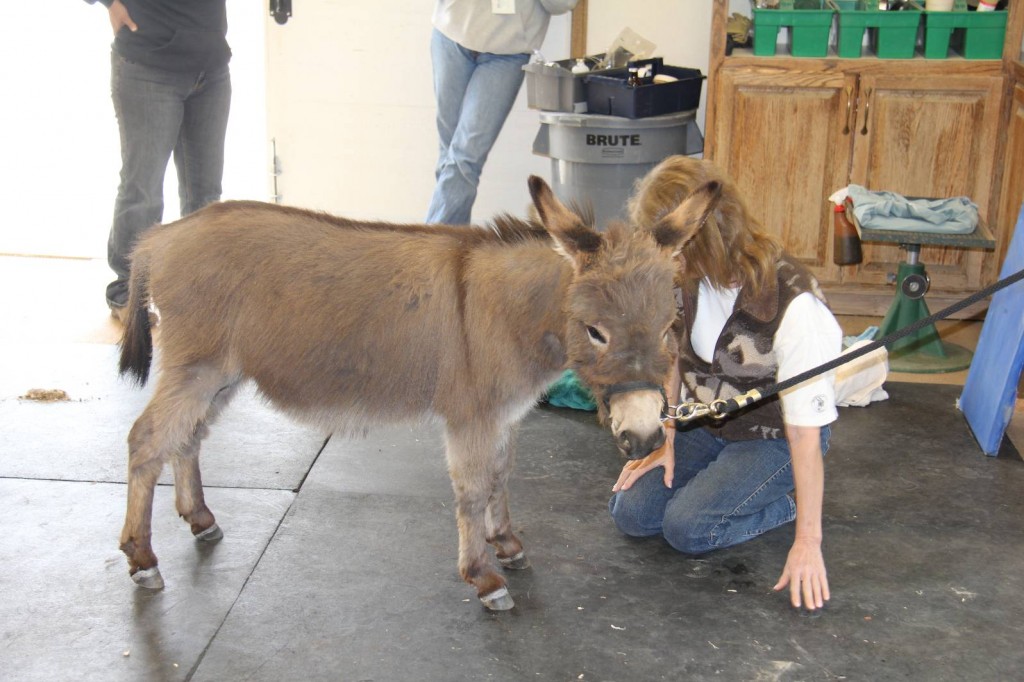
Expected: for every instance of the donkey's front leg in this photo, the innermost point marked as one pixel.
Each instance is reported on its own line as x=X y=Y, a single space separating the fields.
x=471 y=455
x=511 y=554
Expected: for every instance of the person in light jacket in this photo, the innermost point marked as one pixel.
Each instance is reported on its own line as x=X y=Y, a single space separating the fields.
x=478 y=50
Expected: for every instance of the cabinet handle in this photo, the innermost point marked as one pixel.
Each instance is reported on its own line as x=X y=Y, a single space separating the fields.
x=867 y=112
x=849 y=108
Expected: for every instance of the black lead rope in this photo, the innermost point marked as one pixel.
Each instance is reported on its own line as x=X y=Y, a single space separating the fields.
x=720 y=408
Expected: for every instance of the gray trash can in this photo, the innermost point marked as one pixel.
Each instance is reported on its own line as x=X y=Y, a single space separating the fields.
x=595 y=160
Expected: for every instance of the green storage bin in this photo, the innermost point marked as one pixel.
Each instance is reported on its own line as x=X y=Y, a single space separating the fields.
x=893 y=35
x=974 y=35
x=808 y=21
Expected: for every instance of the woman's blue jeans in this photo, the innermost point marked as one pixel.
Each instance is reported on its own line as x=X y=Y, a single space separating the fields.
x=160 y=113
x=723 y=493
x=475 y=92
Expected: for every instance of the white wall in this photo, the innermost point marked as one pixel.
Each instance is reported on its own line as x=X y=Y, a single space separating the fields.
x=352 y=113
x=61 y=148
x=352 y=108
x=363 y=96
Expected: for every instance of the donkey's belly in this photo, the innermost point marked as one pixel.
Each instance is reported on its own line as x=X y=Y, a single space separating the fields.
x=381 y=387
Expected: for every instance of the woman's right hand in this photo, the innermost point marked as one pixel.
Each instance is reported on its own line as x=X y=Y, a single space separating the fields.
x=665 y=456
x=119 y=17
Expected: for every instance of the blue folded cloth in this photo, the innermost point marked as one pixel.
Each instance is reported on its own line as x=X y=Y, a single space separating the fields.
x=866 y=335
x=891 y=211
x=569 y=391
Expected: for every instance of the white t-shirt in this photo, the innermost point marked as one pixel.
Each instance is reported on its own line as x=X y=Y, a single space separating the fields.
x=808 y=336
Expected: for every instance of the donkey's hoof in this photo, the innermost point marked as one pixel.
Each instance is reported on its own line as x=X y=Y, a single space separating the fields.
x=515 y=563
x=149 y=578
x=211 y=534
x=499 y=600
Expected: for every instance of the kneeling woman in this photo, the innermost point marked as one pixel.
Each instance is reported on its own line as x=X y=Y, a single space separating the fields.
x=749 y=315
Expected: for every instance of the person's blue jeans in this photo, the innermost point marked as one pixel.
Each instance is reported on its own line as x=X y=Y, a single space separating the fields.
x=475 y=92
x=723 y=493
x=160 y=113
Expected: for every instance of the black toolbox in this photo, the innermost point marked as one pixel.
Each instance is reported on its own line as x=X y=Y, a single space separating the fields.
x=609 y=91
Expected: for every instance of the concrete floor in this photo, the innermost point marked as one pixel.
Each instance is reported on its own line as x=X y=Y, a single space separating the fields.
x=338 y=561
x=340 y=564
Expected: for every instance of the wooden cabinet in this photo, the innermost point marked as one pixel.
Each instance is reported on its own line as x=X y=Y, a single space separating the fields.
x=779 y=134
x=791 y=131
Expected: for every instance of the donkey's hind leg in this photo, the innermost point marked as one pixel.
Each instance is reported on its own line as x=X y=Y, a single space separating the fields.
x=167 y=426
x=188 y=484
x=508 y=546
x=471 y=463
x=188 y=490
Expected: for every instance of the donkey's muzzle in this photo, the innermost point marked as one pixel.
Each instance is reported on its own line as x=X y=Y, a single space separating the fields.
x=637 y=446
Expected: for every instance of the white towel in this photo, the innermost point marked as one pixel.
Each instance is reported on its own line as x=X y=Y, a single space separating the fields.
x=859 y=382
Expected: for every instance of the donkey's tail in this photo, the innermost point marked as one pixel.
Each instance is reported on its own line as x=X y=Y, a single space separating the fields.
x=137 y=340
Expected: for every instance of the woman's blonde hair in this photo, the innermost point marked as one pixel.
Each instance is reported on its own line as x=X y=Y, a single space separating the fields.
x=731 y=248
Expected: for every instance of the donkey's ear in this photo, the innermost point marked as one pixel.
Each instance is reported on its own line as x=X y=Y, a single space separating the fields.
x=573 y=239
x=678 y=227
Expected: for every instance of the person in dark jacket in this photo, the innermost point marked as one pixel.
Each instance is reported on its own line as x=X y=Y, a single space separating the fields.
x=171 y=88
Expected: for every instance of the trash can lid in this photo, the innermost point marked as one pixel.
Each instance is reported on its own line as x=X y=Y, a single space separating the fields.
x=602 y=121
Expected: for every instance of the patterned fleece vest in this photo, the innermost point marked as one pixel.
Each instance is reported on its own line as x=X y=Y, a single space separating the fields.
x=744 y=357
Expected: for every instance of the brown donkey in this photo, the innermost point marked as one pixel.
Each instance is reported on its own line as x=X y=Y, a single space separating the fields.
x=351 y=324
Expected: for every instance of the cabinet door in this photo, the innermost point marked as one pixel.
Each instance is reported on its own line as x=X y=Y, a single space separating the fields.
x=785 y=138
x=927 y=136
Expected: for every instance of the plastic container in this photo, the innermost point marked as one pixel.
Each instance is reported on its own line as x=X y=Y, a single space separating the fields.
x=973 y=35
x=892 y=34
x=983 y=36
x=846 y=248
x=608 y=92
x=595 y=160
x=553 y=86
x=808 y=21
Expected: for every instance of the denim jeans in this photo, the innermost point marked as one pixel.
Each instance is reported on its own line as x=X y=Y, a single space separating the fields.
x=475 y=92
x=160 y=113
x=723 y=493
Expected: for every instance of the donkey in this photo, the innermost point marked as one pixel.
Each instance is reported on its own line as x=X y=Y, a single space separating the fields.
x=349 y=324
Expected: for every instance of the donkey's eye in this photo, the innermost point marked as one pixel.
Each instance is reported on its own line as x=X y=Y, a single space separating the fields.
x=595 y=335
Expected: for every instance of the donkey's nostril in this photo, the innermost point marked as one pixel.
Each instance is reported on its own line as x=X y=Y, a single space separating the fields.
x=635 y=446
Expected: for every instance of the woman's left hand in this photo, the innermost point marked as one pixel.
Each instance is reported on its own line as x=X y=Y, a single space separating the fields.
x=805 y=575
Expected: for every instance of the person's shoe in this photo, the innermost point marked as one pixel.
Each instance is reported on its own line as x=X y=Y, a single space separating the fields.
x=120 y=314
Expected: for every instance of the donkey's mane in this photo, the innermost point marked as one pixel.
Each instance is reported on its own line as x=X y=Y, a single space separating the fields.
x=510 y=229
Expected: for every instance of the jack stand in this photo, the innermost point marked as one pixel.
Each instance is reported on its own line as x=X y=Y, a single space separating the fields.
x=921 y=352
